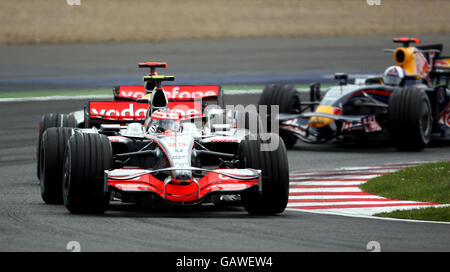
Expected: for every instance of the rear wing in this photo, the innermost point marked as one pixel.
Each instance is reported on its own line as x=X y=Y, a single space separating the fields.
x=123 y=112
x=440 y=76
x=209 y=93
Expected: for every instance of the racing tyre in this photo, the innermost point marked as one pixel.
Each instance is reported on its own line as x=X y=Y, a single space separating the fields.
x=288 y=100
x=410 y=119
x=275 y=176
x=51 y=156
x=87 y=157
x=249 y=119
x=49 y=120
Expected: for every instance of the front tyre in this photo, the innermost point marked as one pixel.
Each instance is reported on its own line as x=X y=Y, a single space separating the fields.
x=51 y=157
x=87 y=157
x=288 y=99
x=274 y=196
x=410 y=122
x=50 y=120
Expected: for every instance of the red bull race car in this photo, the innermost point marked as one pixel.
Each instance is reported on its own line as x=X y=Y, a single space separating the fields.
x=171 y=157
x=410 y=102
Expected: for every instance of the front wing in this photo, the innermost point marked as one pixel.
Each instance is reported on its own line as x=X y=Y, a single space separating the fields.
x=298 y=124
x=222 y=181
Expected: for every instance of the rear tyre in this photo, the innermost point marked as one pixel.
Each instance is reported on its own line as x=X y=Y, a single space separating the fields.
x=275 y=176
x=410 y=121
x=284 y=95
x=51 y=167
x=49 y=120
x=87 y=157
x=288 y=100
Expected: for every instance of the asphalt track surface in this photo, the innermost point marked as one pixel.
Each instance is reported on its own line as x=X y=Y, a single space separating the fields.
x=231 y=61
x=27 y=224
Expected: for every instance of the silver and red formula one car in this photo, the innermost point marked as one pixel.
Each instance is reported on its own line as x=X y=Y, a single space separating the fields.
x=171 y=157
x=123 y=108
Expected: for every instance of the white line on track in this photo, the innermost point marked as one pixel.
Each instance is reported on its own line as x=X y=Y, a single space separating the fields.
x=104 y=96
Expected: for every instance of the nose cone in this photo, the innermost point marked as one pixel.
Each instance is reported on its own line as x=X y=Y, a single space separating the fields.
x=178 y=149
x=318 y=122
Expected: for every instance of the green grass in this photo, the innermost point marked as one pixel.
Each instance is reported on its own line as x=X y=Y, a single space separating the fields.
x=441 y=214
x=428 y=182
x=45 y=93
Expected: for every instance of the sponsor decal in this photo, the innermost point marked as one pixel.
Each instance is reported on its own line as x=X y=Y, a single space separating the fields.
x=118 y=110
x=117 y=139
x=135 y=111
x=444 y=118
x=422 y=66
x=191 y=92
x=294 y=129
x=165 y=115
x=177 y=144
x=224 y=140
x=228 y=187
x=393 y=72
x=133 y=187
x=223 y=177
x=173 y=92
x=349 y=126
x=443 y=63
x=370 y=124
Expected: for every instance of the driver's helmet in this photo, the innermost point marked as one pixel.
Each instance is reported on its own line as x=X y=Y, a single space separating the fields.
x=163 y=120
x=393 y=76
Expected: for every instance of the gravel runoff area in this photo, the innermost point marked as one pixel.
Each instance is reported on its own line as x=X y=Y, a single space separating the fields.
x=73 y=21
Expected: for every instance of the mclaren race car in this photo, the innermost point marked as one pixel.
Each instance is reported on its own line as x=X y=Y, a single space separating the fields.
x=410 y=103
x=169 y=158
x=124 y=107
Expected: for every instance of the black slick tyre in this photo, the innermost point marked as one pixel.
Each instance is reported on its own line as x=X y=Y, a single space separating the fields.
x=410 y=122
x=288 y=100
x=49 y=120
x=88 y=155
x=273 y=197
x=51 y=154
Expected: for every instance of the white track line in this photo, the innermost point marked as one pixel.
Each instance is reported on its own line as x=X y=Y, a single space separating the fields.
x=52 y=98
x=358 y=214
x=104 y=96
